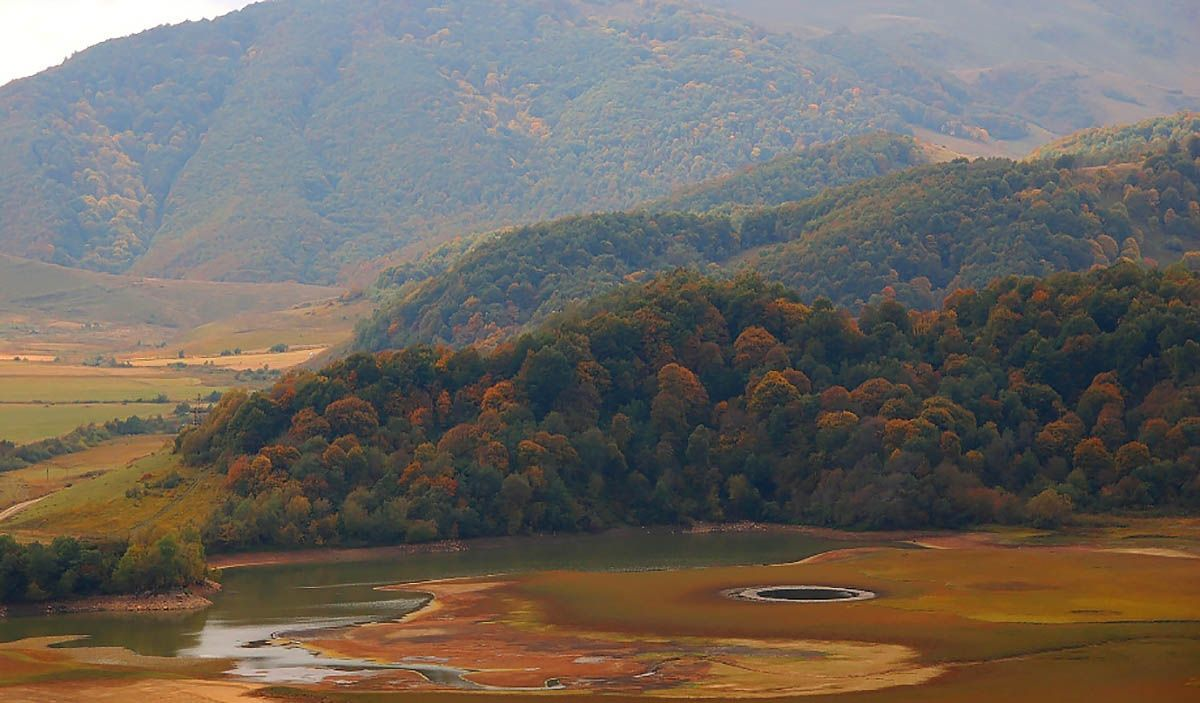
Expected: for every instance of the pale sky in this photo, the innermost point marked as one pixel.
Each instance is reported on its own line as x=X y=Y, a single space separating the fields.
x=38 y=34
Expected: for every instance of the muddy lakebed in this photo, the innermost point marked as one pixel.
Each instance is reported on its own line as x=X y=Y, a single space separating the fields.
x=781 y=613
x=264 y=616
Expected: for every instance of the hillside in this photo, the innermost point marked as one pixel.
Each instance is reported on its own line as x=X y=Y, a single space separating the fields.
x=917 y=235
x=921 y=235
x=296 y=138
x=793 y=176
x=693 y=399
x=1123 y=142
x=46 y=308
x=1062 y=66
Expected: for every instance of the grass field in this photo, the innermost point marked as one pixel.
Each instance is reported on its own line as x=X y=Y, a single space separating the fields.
x=33 y=382
x=234 y=362
x=121 y=501
x=40 y=400
x=60 y=472
x=22 y=422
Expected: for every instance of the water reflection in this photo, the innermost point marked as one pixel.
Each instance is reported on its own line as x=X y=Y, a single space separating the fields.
x=261 y=607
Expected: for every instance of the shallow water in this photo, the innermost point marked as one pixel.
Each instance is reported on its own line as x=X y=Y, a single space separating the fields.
x=260 y=606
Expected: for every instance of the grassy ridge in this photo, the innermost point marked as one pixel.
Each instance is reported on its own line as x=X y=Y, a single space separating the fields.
x=140 y=494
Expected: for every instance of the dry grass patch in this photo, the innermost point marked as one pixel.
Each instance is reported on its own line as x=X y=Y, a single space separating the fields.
x=236 y=362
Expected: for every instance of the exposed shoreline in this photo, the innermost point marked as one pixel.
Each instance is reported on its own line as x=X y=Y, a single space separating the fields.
x=191 y=598
x=336 y=555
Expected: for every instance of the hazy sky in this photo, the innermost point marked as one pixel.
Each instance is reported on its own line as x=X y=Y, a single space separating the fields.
x=38 y=34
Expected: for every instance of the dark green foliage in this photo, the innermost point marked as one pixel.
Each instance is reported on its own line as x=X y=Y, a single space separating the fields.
x=916 y=235
x=68 y=568
x=693 y=399
x=294 y=139
x=924 y=233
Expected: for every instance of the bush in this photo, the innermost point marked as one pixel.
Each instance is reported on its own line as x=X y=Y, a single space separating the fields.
x=1049 y=509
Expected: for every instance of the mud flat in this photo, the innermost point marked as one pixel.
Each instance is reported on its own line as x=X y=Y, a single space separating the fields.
x=948 y=622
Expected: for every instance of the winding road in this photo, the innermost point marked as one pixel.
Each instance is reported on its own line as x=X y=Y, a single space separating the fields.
x=13 y=510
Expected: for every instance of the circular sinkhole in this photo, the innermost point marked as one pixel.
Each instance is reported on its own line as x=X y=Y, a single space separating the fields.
x=799 y=594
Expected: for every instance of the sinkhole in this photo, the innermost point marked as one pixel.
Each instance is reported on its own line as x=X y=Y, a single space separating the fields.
x=798 y=594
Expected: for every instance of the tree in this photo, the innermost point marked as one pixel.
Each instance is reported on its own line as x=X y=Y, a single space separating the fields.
x=545 y=374
x=752 y=347
x=1092 y=457
x=773 y=391
x=352 y=416
x=681 y=402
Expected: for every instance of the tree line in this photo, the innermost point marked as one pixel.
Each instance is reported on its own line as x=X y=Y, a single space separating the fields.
x=71 y=568
x=688 y=398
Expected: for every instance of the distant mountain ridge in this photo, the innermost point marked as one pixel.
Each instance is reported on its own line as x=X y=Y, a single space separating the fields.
x=1064 y=66
x=916 y=235
x=295 y=138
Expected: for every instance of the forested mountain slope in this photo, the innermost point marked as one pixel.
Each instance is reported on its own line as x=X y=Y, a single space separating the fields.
x=802 y=174
x=917 y=235
x=1123 y=142
x=693 y=399
x=786 y=178
x=294 y=138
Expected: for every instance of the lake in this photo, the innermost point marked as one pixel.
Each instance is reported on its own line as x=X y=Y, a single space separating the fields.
x=260 y=605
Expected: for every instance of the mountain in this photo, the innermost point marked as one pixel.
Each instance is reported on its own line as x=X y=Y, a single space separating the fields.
x=296 y=138
x=687 y=398
x=1064 y=66
x=917 y=235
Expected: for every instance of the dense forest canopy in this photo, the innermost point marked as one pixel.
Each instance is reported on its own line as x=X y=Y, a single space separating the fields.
x=917 y=234
x=1094 y=147
x=688 y=398
x=294 y=138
